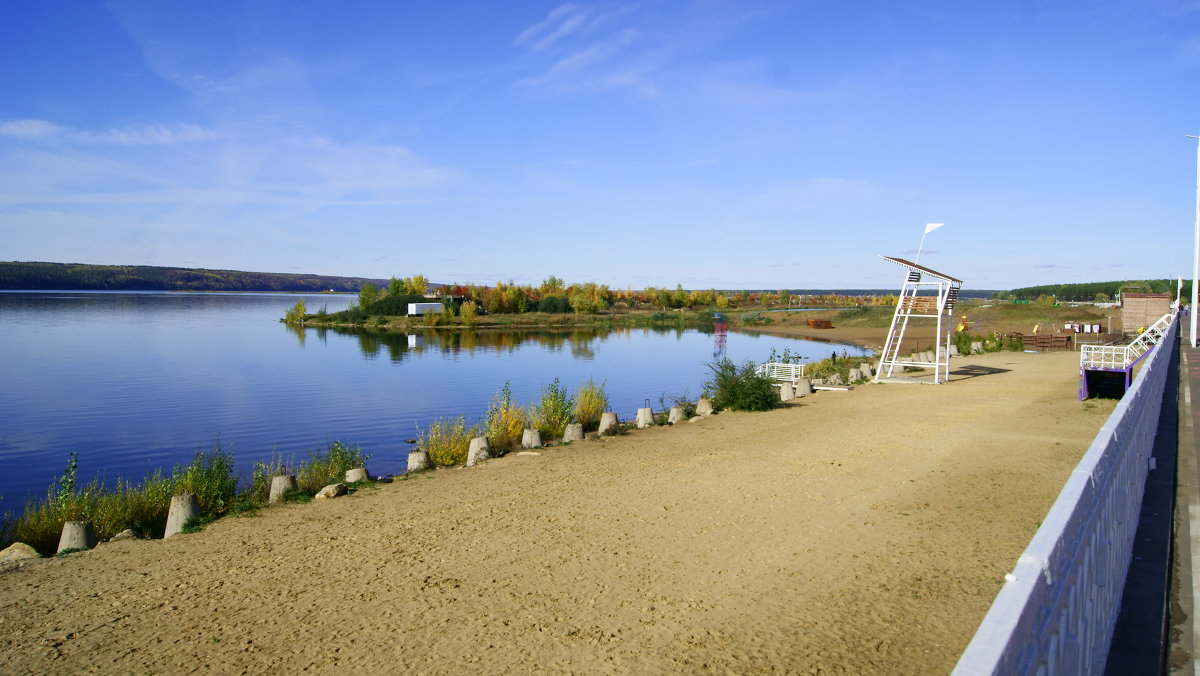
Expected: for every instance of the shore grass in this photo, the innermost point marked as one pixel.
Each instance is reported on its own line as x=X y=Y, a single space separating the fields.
x=590 y=403
x=143 y=506
x=505 y=422
x=447 y=441
x=526 y=320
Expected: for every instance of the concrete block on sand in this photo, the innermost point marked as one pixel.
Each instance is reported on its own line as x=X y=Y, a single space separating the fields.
x=704 y=407
x=331 y=491
x=77 y=535
x=357 y=474
x=803 y=387
x=418 y=460
x=18 y=551
x=786 y=392
x=574 y=432
x=280 y=484
x=183 y=507
x=531 y=439
x=674 y=415
x=645 y=418
x=478 y=451
x=608 y=423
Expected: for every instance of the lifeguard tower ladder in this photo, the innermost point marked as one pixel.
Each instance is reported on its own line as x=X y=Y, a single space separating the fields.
x=926 y=294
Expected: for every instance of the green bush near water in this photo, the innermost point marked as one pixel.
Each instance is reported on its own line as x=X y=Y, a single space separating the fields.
x=992 y=342
x=328 y=466
x=447 y=441
x=739 y=388
x=590 y=403
x=505 y=422
x=143 y=507
x=552 y=413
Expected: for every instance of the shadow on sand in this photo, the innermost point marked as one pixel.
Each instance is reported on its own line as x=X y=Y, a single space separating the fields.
x=974 y=371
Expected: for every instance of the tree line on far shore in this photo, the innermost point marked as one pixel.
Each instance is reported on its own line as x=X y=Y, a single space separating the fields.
x=85 y=277
x=1095 y=291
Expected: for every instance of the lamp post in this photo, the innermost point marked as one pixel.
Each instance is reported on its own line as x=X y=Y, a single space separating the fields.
x=1196 y=249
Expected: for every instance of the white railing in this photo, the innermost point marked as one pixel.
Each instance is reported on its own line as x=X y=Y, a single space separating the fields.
x=1056 y=611
x=1121 y=357
x=780 y=372
x=1104 y=357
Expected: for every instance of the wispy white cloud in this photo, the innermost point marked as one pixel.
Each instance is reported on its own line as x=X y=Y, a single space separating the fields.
x=186 y=166
x=650 y=49
x=150 y=135
x=560 y=23
x=620 y=46
x=29 y=129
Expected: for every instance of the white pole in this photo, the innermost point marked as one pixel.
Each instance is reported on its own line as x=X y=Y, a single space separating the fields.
x=929 y=227
x=1196 y=250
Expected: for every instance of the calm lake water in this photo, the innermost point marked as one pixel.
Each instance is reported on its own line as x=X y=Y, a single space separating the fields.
x=137 y=381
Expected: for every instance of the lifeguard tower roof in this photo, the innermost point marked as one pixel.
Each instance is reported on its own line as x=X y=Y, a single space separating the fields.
x=920 y=268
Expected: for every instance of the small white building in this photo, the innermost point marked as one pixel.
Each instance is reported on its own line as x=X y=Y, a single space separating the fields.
x=424 y=308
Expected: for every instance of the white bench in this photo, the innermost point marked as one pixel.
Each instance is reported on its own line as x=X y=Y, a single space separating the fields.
x=782 y=373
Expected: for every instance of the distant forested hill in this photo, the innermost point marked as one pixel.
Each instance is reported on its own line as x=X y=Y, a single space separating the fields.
x=1087 y=292
x=73 y=276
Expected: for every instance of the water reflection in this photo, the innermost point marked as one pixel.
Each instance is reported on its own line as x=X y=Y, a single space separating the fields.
x=580 y=343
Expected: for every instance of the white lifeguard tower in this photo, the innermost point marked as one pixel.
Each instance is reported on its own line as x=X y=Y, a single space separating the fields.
x=926 y=294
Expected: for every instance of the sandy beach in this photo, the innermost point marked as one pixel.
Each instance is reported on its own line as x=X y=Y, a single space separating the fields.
x=861 y=532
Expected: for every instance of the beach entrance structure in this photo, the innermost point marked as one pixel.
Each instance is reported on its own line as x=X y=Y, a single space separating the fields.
x=1108 y=369
x=926 y=294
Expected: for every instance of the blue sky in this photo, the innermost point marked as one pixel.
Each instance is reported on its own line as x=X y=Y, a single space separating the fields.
x=715 y=144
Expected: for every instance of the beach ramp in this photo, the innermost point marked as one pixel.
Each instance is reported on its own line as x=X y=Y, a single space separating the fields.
x=1107 y=370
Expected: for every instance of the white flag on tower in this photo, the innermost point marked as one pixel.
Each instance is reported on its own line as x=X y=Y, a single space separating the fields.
x=930 y=227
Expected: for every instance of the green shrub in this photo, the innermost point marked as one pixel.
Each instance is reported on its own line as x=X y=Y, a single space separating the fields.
x=739 y=388
x=551 y=305
x=260 y=478
x=447 y=441
x=993 y=342
x=590 y=403
x=505 y=422
x=328 y=466
x=469 y=311
x=552 y=413
x=142 y=507
x=211 y=477
x=842 y=367
x=753 y=318
x=962 y=340
x=295 y=313
x=683 y=401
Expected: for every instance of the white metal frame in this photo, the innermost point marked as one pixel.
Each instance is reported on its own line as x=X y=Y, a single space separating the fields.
x=912 y=304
